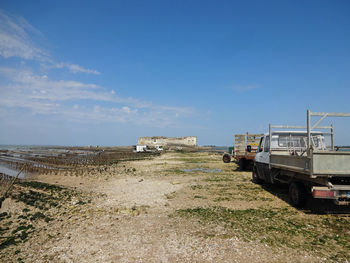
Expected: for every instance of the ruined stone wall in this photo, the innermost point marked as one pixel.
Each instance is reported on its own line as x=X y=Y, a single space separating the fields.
x=168 y=141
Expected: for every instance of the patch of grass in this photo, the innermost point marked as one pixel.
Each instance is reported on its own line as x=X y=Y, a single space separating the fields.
x=199 y=197
x=17 y=235
x=3 y=215
x=40 y=185
x=7 y=223
x=171 y=195
x=248 y=187
x=222 y=178
x=281 y=227
x=22 y=227
x=174 y=171
x=3 y=229
x=194 y=187
x=39 y=215
x=8 y=242
x=188 y=157
x=80 y=202
x=34 y=198
x=42 y=196
x=219 y=199
x=228 y=189
x=192 y=160
x=22 y=217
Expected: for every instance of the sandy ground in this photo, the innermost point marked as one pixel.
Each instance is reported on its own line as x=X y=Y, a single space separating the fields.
x=130 y=220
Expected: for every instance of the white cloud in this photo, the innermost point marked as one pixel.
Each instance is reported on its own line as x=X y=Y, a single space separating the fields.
x=42 y=95
x=74 y=68
x=28 y=92
x=17 y=39
x=126 y=109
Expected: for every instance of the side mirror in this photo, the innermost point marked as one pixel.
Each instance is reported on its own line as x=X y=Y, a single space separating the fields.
x=260 y=149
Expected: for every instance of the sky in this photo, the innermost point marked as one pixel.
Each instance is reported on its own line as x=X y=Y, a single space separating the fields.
x=108 y=72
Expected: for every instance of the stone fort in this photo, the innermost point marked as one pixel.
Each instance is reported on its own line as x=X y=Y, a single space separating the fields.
x=168 y=141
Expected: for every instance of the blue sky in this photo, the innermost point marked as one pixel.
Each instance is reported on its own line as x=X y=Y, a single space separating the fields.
x=107 y=72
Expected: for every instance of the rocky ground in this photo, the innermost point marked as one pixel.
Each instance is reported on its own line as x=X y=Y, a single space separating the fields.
x=176 y=207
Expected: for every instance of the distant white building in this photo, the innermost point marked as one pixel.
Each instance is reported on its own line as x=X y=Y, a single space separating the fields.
x=168 y=141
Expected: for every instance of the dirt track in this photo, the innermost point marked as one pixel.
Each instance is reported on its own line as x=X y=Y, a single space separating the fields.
x=154 y=211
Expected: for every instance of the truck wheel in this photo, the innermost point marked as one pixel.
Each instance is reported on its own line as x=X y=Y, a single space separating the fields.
x=242 y=164
x=226 y=158
x=249 y=164
x=297 y=194
x=255 y=177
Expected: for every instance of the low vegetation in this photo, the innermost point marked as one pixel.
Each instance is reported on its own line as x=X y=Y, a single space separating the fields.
x=327 y=235
x=42 y=203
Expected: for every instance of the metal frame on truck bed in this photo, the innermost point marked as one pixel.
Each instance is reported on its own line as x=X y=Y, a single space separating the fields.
x=298 y=156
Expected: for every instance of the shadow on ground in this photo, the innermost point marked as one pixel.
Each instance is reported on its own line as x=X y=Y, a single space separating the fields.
x=312 y=206
x=239 y=169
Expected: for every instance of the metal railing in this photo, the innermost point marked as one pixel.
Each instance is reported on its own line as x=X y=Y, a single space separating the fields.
x=310 y=128
x=323 y=115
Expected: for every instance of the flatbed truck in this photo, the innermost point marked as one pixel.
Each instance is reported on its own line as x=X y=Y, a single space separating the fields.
x=303 y=158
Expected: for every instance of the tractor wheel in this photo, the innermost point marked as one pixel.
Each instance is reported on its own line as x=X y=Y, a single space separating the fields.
x=226 y=158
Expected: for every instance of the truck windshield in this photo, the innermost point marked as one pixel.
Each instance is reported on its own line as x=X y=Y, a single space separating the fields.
x=300 y=141
x=291 y=141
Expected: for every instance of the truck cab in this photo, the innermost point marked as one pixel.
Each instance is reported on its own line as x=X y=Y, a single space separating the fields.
x=286 y=158
x=289 y=143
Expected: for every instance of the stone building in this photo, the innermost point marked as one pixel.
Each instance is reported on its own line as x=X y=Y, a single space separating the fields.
x=168 y=141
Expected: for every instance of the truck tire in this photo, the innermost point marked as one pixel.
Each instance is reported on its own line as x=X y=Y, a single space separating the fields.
x=249 y=164
x=297 y=194
x=242 y=164
x=255 y=177
x=226 y=158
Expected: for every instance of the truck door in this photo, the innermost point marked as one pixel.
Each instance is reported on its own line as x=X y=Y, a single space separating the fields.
x=262 y=160
x=258 y=156
x=263 y=154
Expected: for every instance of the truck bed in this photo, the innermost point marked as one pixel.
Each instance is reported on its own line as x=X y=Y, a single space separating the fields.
x=319 y=164
x=242 y=141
